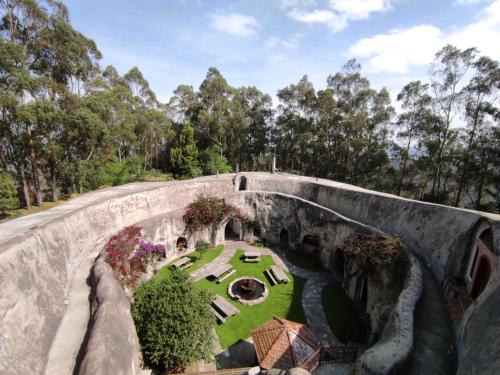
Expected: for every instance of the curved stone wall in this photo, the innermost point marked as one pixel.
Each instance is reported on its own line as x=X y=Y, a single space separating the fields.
x=46 y=258
x=394 y=347
x=111 y=345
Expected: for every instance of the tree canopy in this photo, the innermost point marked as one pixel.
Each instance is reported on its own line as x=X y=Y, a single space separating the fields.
x=69 y=125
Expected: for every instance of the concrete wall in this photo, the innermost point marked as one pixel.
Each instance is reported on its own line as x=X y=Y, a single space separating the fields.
x=44 y=302
x=45 y=259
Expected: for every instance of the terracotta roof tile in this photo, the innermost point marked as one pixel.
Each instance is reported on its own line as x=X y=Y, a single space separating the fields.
x=283 y=344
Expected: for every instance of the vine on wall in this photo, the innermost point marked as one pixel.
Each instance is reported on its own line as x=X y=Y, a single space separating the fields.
x=209 y=213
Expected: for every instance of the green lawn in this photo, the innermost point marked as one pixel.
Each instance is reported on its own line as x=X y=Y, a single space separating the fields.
x=284 y=300
x=205 y=258
x=342 y=315
x=304 y=260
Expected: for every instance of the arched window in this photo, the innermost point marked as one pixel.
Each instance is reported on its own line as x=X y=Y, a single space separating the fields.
x=482 y=261
x=243 y=183
x=284 y=237
x=181 y=244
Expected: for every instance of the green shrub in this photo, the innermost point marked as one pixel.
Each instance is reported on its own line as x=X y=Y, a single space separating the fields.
x=202 y=247
x=173 y=322
x=213 y=163
x=8 y=193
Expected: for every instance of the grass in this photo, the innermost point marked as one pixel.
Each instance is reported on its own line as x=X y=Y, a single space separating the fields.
x=18 y=212
x=342 y=315
x=284 y=300
x=207 y=257
x=304 y=260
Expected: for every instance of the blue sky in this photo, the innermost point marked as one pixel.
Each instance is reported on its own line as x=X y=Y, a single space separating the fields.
x=272 y=43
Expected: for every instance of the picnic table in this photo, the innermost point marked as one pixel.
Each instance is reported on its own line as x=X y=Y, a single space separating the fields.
x=222 y=309
x=182 y=263
x=251 y=256
x=222 y=272
x=276 y=275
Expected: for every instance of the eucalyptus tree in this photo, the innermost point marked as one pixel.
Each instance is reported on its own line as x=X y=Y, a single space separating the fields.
x=449 y=68
x=481 y=105
x=417 y=106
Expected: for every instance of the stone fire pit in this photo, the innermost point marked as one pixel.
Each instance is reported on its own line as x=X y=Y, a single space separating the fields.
x=247 y=290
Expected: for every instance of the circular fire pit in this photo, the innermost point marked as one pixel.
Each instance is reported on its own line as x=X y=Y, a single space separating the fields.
x=247 y=290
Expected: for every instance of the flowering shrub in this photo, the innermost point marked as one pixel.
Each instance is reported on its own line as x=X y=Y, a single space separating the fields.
x=128 y=254
x=209 y=212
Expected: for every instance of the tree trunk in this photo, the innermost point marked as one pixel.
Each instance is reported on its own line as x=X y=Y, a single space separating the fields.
x=23 y=187
x=34 y=170
x=481 y=181
x=53 y=179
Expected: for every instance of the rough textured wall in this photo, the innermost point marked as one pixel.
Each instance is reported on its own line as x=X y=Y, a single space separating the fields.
x=111 y=345
x=43 y=271
x=430 y=230
x=396 y=343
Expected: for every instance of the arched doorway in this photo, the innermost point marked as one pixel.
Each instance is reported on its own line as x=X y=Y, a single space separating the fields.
x=243 y=183
x=181 y=243
x=232 y=230
x=338 y=262
x=481 y=277
x=311 y=243
x=284 y=237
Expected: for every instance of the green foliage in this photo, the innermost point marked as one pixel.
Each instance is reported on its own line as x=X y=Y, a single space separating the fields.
x=8 y=193
x=213 y=163
x=201 y=247
x=173 y=322
x=184 y=156
x=95 y=174
x=284 y=300
x=209 y=213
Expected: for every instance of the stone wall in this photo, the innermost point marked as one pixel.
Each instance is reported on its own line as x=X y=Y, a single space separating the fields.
x=44 y=302
x=111 y=345
x=394 y=347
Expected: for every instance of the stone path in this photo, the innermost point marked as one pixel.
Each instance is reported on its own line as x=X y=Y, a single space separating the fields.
x=311 y=296
x=434 y=342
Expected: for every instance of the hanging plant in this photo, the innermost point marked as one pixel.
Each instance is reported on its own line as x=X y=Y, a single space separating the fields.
x=209 y=213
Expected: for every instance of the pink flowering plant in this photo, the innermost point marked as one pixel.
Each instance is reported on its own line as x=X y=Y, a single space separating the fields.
x=209 y=213
x=128 y=255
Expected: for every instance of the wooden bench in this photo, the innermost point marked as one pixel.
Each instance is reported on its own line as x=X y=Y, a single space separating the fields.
x=222 y=272
x=225 y=276
x=251 y=257
x=222 y=309
x=276 y=275
x=269 y=274
x=182 y=263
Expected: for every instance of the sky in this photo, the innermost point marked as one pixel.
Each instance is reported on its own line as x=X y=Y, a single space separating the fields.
x=273 y=43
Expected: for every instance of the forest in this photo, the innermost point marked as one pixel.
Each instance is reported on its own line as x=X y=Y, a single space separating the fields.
x=69 y=125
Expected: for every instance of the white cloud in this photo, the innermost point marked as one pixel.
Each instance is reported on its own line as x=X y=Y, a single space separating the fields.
x=466 y=2
x=331 y=19
x=400 y=49
x=275 y=42
x=359 y=9
x=336 y=14
x=235 y=23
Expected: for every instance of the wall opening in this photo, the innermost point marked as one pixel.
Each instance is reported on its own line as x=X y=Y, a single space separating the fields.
x=181 y=244
x=232 y=230
x=338 y=262
x=311 y=243
x=243 y=183
x=361 y=293
x=481 y=277
x=257 y=230
x=284 y=237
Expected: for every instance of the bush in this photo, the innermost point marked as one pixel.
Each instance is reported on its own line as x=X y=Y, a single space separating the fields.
x=173 y=322
x=202 y=247
x=209 y=213
x=213 y=163
x=128 y=255
x=8 y=193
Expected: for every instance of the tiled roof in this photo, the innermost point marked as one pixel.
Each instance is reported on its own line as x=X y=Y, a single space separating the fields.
x=284 y=344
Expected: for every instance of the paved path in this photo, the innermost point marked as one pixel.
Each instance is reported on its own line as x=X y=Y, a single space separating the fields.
x=434 y=350
x=311 y=296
